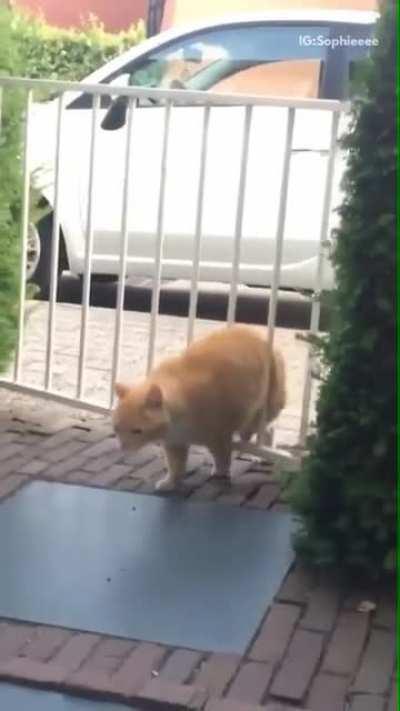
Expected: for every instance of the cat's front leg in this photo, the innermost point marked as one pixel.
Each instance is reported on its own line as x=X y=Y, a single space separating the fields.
x=222 y=454
x=176 y=460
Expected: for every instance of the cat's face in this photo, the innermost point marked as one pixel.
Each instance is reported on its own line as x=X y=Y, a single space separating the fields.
x=139 y=417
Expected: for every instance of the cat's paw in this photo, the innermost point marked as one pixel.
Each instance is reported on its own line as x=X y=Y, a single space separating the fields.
x=165 y=484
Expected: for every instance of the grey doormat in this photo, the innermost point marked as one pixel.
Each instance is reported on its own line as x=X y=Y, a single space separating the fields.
x=21 y=698
x=143 y=567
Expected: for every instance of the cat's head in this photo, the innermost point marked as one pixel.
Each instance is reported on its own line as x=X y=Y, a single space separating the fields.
x=140 y=416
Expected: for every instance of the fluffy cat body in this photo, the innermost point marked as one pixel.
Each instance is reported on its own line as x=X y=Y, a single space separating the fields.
x=221 y=385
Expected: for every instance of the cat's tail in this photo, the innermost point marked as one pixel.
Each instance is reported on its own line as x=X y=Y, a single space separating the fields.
x=276 y=399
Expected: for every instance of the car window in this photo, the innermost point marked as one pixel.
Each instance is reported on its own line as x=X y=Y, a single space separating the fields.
x=296 y=78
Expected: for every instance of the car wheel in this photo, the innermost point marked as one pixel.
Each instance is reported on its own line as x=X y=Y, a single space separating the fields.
x=38 y=258
x=104 y=278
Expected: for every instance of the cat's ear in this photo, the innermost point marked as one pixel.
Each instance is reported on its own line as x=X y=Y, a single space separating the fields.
x=154 y=396
x=121 y=390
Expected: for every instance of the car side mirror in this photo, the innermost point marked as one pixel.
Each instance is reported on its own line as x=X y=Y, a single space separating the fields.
x=115 y=117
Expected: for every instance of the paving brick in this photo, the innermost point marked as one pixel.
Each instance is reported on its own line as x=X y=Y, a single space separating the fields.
x=392 y=704
x=45 y=643
x=99 y=464
x=256 y=479
x=377 y=663
x=30 y=438
x=60 y=469
x=79 y=476
x=56 y=440
x=65 y=451
x=172 y=695
x=366 y=702
x=137 y=669
x=108 y=656
x=71 y=656
x=235 y=497
x=33 y=467
x=346 y=644
x=298 y=666
x=328 y=693
x=10 y=466
x=280 y=507
x=10 y=450
x=275 y=633
x=7 y=438
x=95 y=434
x=355 y=597
x=180 y=665
x=216 y=672
x=110 y=476
x=210 y=490
x=199 y=478
x=142 y=456
x=13 y=638
x=195 y=460
x=89 y=681
x=103 y=447
x=322 y=608
x=251 y=683
x=230 y=705
x=151 y=470
x=297 y=586
x=385 y=615
x=11 y=484
x=24 y=669
x=266 y=495
x=128 y=484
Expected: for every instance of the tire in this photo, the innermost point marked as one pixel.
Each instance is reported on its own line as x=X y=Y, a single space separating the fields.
x=104 y=278
x=39 y=255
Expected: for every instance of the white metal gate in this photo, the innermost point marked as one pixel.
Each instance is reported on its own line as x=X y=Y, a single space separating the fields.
x=168 y=100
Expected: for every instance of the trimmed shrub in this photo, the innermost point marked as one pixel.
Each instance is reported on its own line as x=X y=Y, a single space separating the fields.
x=345 y=494
x=10 y=171
x=69 y=54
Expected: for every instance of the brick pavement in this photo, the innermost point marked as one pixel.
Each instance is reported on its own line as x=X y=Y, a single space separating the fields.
x=313 y=650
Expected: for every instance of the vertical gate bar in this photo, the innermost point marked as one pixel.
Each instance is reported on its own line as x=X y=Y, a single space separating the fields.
x=132 y=103
x=24 y=240
x=239 y=216
x=88 y=250
x=55 y=244
x=194 y=286
x=155 y=297
x=276 y=276
x=280 y=231
x=316 y=301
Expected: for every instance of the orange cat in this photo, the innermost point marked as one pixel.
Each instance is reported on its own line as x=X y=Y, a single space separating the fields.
x=214 y=389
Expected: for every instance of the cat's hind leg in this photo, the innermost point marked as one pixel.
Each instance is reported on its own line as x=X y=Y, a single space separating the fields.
x=176 y=460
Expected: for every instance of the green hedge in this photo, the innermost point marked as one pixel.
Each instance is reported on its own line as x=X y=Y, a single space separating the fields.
x=10 y=172
x=69 y=54
x=346 y=492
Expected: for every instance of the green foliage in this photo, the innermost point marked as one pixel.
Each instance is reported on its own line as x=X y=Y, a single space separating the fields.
x=69 y=54
x=10 y=170
x=345 y=493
